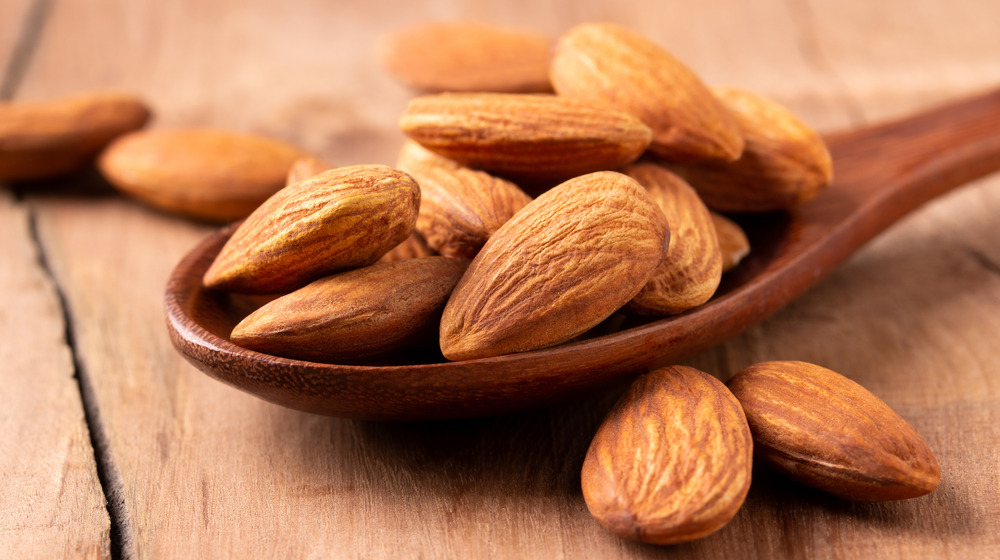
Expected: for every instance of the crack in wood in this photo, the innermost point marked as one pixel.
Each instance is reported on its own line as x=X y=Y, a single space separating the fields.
x=121 y=542
x=27 y=44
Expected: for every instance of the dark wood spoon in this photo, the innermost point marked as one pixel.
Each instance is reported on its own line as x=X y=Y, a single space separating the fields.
x=881 y=173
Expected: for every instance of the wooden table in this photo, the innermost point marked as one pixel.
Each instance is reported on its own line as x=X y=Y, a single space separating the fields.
x=112 y=445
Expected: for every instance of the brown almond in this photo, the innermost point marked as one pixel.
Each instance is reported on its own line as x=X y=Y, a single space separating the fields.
x=733 y=242
x=200 y=173
x=672 y=460
x=561 y=265
x=343 y=218
x=692 y=268
x=826 y=431
x=467 y=56
x=784 y=164
x=304 y=168
x=461 y=207
x=606 y=63
x=413 y=247
x=356 y=314
x=536 y=137
x=49 y=138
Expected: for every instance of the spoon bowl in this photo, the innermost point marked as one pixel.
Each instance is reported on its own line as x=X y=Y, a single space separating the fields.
x=881 y=173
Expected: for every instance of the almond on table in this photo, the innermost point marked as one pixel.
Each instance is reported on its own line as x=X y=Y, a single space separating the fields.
x=41 y=139
x=826 y=431
x=467 y=56
x=672 y=460
x=201 y=173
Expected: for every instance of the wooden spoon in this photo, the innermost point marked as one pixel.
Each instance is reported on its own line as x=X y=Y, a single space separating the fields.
x=881 y=173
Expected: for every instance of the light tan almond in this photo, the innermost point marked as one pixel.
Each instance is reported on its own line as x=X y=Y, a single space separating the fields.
x=49 y=138
x=536 y=137
x=201 y=173
x=461 y=207
x=304 y=168
x=607 y=63
x=412 y=154
x=826 y=431
x=561 y=265
x=354 y=315
x=672 y=460
x=784 y=164
x=413 y=247
x=733 y=242
x=343 y=218
x=467 y=56
x=692 y=269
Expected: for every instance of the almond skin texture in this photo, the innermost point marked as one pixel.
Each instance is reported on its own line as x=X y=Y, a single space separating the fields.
x=467 y=56
x=784 y=164
x=560 y=266
x=733 y=242
x=340 y=219
x=533 y=137
x=826 y=431
x=51 y=138
x=200 y=173
x=672 y=460
x=607 y=63
x=692 y=269
x=304 y=168
x=461 y=207
x=356 y=314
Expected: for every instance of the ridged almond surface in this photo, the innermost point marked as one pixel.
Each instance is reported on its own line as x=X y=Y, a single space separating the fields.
x=784 y=164
x=607 y=63
x=356 y=314
x=672 y=460
x=826 y=431
x=304 y=168
x=467 y=56
x=537 y=137
x=733 y=242
x=50 y=138
x=692 y=269
x=343 y=218
x=201 y=173
x=461 y=207
x=561 y=265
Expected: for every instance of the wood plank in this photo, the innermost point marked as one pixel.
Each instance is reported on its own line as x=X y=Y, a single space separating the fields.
x=12 y=20
x=51 y=502
x=204 y=467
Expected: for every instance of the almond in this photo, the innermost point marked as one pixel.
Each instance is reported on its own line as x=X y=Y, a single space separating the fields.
x=537 y=137
x=461 y=207
x=356 y=314
x=606 y=63
x=50 y=138
x=304 y=168
x=692 y=268
x=340 y=219
x=826 y=431
x=672 y=460
x=561 y=265
x=200 y=173
x=733 y=242
x=784 y=164
x=467 y=56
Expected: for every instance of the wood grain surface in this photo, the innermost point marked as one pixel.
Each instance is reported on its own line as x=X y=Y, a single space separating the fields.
x=193 y=468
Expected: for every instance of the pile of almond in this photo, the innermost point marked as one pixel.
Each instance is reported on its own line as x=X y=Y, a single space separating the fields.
x=545 y=187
